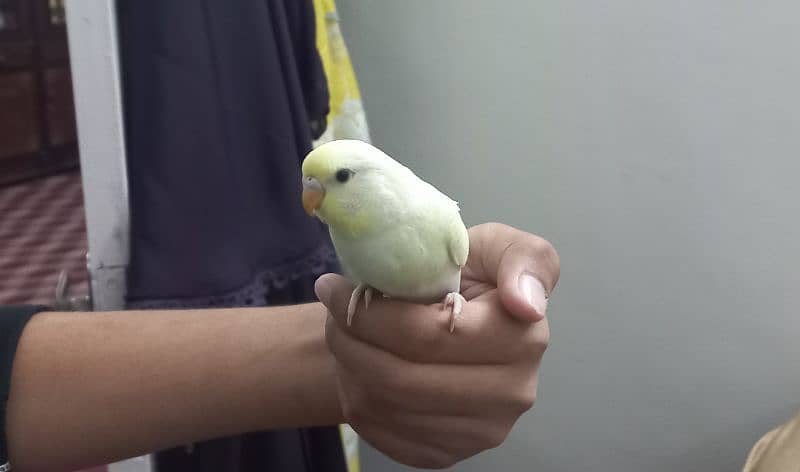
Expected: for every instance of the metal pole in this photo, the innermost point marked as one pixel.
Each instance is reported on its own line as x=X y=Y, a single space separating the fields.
x=94 y=58
x=97 y=88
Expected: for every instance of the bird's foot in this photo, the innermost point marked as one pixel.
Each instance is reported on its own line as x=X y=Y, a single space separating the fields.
x=368 y=292
x=455 y=301
x=355 y=298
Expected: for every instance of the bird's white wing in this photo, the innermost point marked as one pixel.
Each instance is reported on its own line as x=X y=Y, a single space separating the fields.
x=442 y=213
x=458 y=241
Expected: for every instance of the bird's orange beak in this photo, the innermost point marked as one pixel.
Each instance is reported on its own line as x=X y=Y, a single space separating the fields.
x=313 y=194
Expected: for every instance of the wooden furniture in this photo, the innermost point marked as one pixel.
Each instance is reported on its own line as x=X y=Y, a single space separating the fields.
x=37 y=117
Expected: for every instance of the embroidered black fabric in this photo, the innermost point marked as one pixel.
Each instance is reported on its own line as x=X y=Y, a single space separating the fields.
x=257 y=292
x=222 y=101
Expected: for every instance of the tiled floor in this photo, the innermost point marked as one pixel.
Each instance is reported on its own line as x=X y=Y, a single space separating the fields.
x=42 y=232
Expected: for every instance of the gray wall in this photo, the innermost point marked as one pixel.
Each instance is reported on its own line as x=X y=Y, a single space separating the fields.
x=656 y=144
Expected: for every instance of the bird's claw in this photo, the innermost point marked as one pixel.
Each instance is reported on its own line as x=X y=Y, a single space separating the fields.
x=355 y=298
x=455 y=301
x=367 y=297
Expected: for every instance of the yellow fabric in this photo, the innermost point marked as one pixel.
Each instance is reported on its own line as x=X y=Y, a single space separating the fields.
x=346 y=120
x=778 y=450
x=350 y=442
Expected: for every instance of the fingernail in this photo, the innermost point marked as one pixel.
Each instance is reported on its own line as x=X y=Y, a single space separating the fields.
x=533 y=291
x=322 y=287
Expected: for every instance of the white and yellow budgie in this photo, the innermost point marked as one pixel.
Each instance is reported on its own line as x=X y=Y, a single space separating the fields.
x=393 y=232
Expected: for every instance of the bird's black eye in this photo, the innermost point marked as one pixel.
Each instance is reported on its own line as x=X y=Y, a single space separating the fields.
x=343 y=175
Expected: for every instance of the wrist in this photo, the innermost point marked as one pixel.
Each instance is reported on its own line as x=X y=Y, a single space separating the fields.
x=300 y=374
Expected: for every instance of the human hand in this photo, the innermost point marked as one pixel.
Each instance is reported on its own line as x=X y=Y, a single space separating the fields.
x=430 y=398
x=523 y=268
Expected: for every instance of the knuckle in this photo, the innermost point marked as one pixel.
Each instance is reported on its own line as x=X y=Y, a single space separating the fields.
x=550 y=255
x=539 y=246
x=493 y=226
x=523 y=398
x=537 y=340
x=496 y=437
x=541 y=338
x=526 y=401
x=545 y=255
x=545 y=248
x=488 y=437
x=529 y=402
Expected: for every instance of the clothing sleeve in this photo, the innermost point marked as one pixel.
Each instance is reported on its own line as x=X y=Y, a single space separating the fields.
x=13 y=319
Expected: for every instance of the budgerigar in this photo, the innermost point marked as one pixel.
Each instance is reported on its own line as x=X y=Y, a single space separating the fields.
x=393 y=232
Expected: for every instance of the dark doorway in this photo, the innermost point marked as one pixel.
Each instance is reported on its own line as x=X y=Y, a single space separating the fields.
x=37 y=117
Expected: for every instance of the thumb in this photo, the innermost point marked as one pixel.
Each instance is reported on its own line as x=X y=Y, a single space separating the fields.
x=524 y=267
x=520 y=276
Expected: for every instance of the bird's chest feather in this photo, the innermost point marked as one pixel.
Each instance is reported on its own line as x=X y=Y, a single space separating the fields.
x=401 y=261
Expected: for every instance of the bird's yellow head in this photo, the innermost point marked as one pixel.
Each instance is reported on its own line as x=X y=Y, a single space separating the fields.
x=341 y=180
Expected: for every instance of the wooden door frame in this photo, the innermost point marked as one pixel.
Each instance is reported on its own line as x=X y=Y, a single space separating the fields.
x=33 y=31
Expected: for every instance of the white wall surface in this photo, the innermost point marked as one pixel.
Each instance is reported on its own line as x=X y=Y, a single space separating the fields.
x=657 y=145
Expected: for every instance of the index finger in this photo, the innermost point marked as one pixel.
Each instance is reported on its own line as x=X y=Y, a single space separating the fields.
x=484 y=334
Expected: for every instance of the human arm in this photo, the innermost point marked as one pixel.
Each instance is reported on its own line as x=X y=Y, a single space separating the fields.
x=91 y=388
